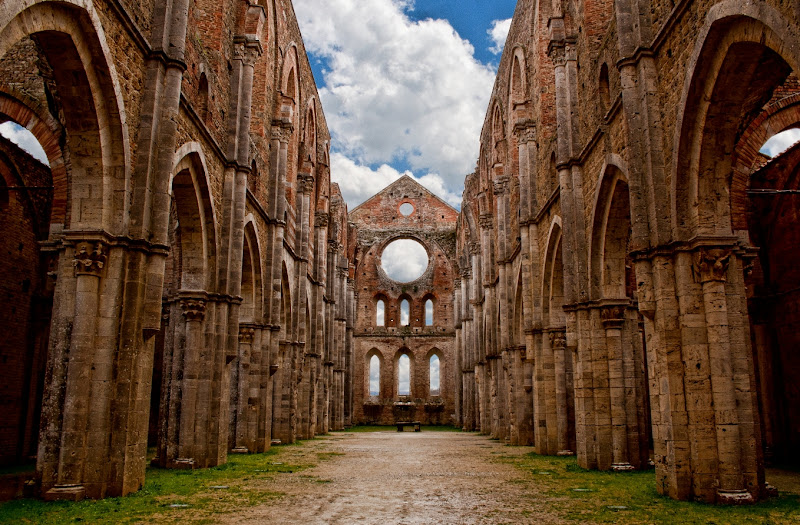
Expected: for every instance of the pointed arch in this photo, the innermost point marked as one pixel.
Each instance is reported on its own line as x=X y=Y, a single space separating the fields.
x=553 y=282
x=756 y=42
x=195 y=220
x=609 y=268
x=72 y=39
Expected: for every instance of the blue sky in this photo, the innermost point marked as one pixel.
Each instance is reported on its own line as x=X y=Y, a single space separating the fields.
x=404 y=86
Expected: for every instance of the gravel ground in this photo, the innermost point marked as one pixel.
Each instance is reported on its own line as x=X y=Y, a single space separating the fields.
x=404 y=478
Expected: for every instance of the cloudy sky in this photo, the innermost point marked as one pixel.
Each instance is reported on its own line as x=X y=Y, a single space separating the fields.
x=404 y=85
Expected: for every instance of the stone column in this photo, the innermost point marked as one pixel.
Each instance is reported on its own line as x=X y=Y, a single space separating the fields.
x=242 y=437
x=613 y=318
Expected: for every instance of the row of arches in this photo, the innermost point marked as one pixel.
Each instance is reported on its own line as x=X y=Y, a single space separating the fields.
x=403 y=308
x=625 y=317
x=406 y=382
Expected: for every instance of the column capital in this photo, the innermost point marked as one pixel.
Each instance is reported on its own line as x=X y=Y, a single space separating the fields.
x=500 y=186
x=305 y=183
x=612 y=317
x=193 y=309
x=486 y=221
x=90 y=257
x=711 y=264
x=246 y=334
x=558 y=339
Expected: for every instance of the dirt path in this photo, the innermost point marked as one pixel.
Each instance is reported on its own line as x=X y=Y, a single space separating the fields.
x=408 y=478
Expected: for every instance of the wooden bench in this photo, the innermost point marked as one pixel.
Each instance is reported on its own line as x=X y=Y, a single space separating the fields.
x=401 y=424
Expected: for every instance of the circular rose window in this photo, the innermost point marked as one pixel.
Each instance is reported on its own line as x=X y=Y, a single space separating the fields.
x=406 y=209
x=404 y=260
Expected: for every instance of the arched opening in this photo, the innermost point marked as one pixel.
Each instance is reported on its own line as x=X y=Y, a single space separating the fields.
x=374 y=376
x=404 y=375
x=380 y=313
x=203 y=95
x=434 y=377
x=735 y=85
x=429 y=312
x=405 y=312
x=604 y=88
x=188 y=277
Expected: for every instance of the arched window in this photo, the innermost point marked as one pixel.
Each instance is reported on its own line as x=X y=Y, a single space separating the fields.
x=434 y=375
x=404 y=376
x=429 y=312
x=203 y=94
x=374 y=376
x=604 y=88
x=380 y=311
x=405 y=314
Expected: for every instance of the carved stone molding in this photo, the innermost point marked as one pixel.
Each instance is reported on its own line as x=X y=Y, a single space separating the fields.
x=558 y=339
x=612 y=317
x=500 y=185
x=282 y=130
x=246 y=334
x=193 y=309
x=711 y=264
x=246 y=51
x=321 y=219
x=305 y=183
x=90 y=258
x=525 y=131
x=474 y=248
x=558 y=54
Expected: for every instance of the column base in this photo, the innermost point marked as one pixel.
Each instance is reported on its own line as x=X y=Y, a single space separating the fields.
x=240 y=450
x=182 y=464
x=770 y=491
x=621 y=467
x=565 y=453
x=65 y=493
x=734 y=497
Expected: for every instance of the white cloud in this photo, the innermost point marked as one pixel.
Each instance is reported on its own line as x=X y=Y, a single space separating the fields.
x=404 y=260
x=24 y=139
x=434 y=375
x=404 y=375
x=398 y=89
x=374 y=376
x=498 y=34
x=358 y=183
x=781 y=142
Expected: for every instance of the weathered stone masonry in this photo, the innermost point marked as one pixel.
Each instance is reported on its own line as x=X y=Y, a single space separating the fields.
x=186 y=240
x=626 y=254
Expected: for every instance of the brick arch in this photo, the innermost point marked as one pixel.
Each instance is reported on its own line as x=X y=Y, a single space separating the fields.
x=252 y=280
x=552 y=314
x=73 y=41
x=756 y=43
x=194 y=211
x=610 y=235
x=374 y=352
x=777 y=117
x=49 y=134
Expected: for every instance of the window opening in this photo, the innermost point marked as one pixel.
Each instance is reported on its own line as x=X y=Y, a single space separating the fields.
x=429 y=312
x=380 y=311
x=374 y=376
x=404 y=313
x=404 y=376
x=434 y=375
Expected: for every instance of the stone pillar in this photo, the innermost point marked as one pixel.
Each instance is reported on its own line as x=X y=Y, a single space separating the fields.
x=242 y=437
x=613 y=318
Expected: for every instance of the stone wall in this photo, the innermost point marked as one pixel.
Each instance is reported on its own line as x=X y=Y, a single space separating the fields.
x=431 y=222
x=635 y=288
x=191 y=251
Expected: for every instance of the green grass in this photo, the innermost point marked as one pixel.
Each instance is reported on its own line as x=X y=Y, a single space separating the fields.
x=205 y=492
x=580 y=495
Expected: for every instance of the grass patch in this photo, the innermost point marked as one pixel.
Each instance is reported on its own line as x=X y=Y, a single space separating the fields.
x=581 y=495
x=169 y=495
